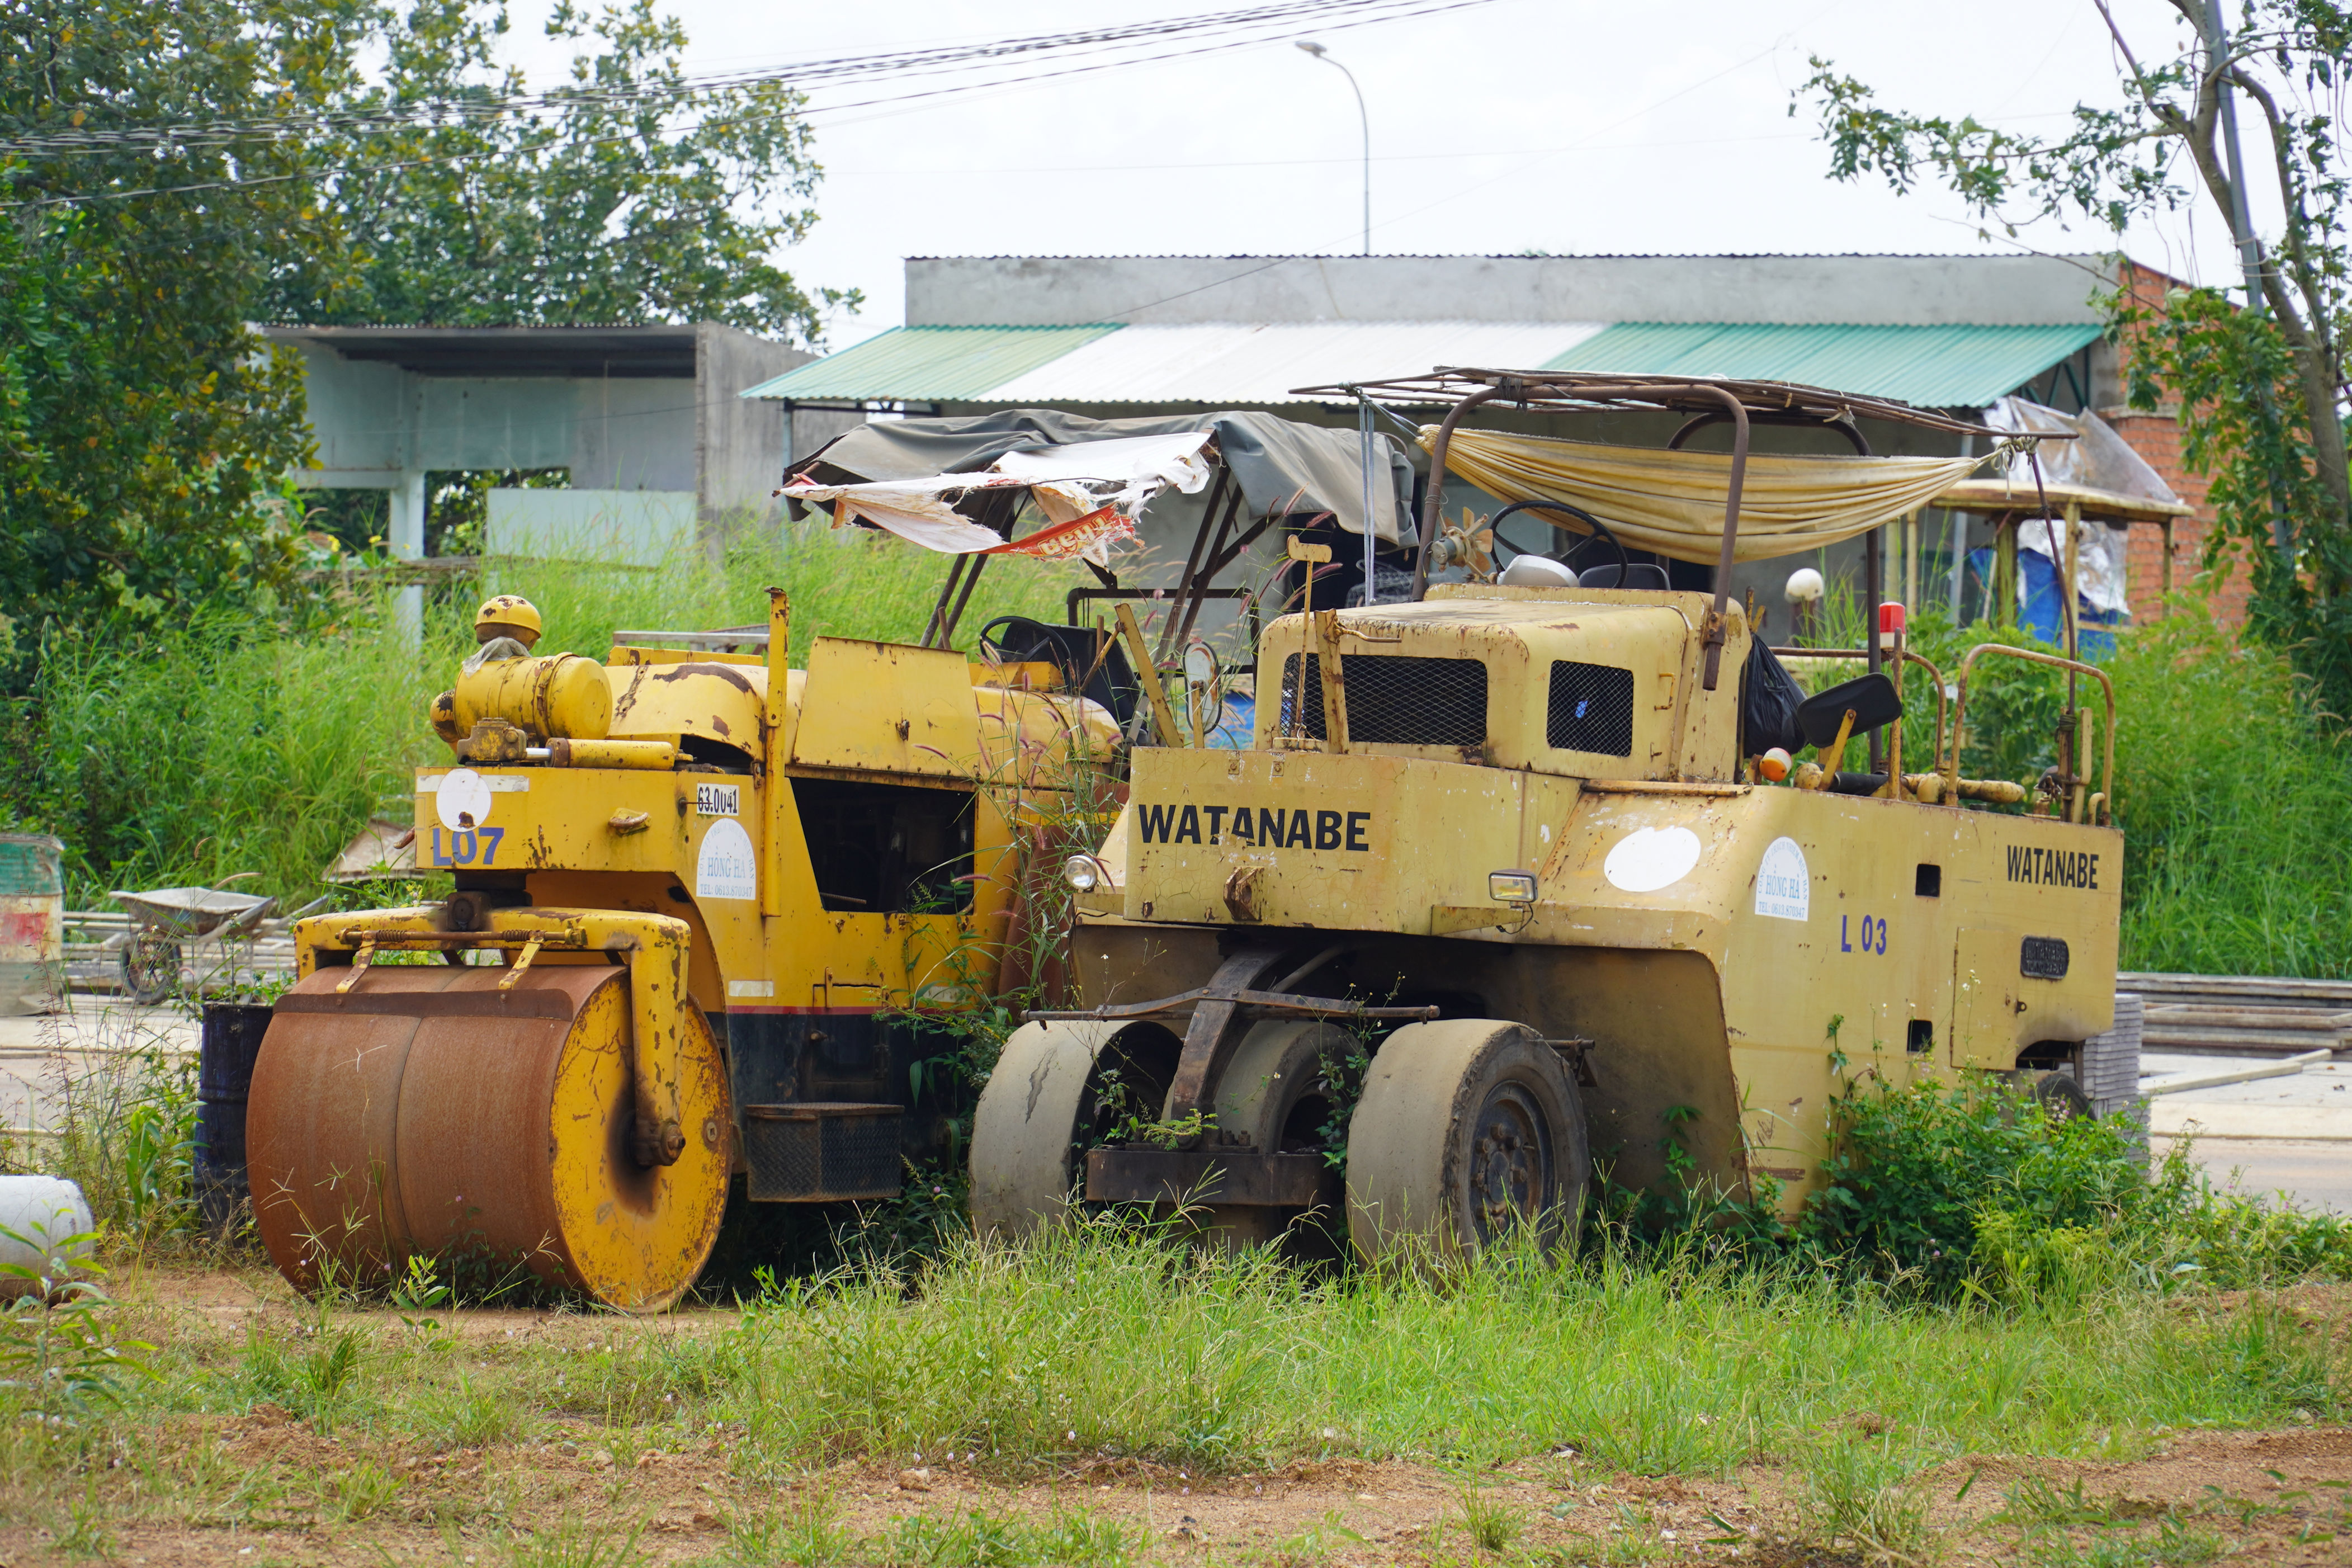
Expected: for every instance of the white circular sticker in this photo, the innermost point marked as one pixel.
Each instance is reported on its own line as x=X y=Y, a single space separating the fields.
x=463 y=800
x=725 y=868
x=1649 y=859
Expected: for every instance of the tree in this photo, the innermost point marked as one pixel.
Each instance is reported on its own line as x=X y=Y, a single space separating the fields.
x=626 y=195
x=170 y=175
x=2259 y=390
x=144 y=432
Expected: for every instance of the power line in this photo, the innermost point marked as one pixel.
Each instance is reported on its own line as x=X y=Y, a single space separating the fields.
x=1371 y=12
x=1265 y=21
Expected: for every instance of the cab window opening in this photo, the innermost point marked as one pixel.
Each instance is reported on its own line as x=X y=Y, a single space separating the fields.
x=888 y=849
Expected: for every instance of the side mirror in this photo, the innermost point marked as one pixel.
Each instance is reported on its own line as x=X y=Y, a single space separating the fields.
x=1871 y=699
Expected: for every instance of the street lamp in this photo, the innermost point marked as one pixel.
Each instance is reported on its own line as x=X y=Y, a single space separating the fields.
x=1320 y=53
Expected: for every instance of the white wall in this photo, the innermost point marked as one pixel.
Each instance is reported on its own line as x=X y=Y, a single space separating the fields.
x=619 y=528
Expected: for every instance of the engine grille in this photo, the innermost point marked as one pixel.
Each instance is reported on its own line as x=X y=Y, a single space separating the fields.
x=1591 y=709
x=1394 y=700
x=820 y=1151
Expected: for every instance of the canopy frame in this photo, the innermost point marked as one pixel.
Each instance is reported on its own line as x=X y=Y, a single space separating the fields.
x=1231 y=522
x=1711 y=399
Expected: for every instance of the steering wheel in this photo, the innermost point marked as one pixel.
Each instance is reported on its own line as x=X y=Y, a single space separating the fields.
x=1625 y=565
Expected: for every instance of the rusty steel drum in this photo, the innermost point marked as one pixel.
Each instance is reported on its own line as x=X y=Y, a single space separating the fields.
x=427 y=1111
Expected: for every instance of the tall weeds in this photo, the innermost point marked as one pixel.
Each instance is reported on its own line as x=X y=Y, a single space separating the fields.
x=225 y=746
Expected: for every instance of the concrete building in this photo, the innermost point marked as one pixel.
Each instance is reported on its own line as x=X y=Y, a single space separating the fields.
x=1112 y=336
x=660 y=450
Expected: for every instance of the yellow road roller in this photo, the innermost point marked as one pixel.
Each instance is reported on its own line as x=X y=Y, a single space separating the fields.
x=1517 y=874
x=702 y=903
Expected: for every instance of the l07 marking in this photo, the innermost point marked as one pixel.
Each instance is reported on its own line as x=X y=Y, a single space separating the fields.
x=471 y=847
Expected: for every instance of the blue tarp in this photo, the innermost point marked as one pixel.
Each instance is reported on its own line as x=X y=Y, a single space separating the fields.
x=2042 y=613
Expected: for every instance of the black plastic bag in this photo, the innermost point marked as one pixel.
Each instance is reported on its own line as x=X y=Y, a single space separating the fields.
x=1769 y=700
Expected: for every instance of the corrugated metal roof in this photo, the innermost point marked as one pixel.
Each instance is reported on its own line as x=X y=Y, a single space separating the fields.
x=1230 y=364
x=1932 y=367
x=931 y=363
x=1254 y=362
x=2092 y=257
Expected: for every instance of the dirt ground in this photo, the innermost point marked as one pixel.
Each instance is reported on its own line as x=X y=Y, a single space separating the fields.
x=570 y=1502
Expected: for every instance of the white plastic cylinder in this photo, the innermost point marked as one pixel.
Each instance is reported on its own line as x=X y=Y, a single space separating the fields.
x=45 y=1211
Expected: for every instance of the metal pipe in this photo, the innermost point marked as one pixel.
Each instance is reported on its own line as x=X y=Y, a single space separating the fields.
x=1714 y=633
x=1956 y=536
x=2072 y=666
x=1185 y=585
x=947 y=590
x=1208 y=576
x=1433 y=502
x=1844 y=427
x=971 y=580
x=1371 y=535
x=1872 y=592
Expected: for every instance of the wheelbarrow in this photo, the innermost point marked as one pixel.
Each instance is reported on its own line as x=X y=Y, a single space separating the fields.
x=164 y=918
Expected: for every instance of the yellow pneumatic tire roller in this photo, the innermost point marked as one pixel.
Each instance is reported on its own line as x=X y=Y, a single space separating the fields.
x=427 y=1111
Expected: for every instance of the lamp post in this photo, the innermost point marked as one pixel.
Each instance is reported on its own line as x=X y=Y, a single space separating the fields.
x=1320 y=53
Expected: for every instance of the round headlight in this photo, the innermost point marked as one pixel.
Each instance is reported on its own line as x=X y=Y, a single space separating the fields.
x=1082 y=873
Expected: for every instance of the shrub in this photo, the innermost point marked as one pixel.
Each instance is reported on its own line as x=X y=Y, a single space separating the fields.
x=1916 y=1170
x=1972 y=1189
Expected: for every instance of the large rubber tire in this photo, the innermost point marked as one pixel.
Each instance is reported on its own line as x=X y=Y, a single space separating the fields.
x=1276 y=1070
x=1468 y=1131
x=1272 y=1093
x=428 y=1112
x=1041 y=1105
x=2061 y=1096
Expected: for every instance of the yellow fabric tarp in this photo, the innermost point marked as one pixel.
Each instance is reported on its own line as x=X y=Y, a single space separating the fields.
x=1672 y=502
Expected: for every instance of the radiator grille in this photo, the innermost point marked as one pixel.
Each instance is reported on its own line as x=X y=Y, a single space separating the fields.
x=1396 y=700
x=1591 y=709
x=817 y=1150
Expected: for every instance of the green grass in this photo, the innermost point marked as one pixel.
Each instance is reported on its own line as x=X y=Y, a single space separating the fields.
x=1113 y=1347
x=1109 y=1341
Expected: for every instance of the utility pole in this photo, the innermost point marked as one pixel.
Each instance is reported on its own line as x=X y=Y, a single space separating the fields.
x=1320 y=53
x=2249 y=248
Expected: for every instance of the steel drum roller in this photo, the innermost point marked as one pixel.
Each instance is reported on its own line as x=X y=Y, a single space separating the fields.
x=428 y=1112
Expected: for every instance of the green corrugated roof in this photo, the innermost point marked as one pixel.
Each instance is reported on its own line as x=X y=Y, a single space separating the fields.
x=1958 y=366
x=931 y=363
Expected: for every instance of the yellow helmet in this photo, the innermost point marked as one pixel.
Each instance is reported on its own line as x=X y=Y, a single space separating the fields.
x=507 y=615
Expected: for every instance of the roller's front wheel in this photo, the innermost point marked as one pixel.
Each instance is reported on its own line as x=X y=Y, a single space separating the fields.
x=428 y=1112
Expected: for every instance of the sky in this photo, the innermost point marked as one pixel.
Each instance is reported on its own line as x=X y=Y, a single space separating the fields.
x=1565 y=126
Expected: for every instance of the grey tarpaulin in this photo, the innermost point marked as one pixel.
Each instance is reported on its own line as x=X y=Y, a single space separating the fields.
x=1281 y=465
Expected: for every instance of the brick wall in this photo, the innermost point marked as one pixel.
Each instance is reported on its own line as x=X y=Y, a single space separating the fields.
x=2157 y=438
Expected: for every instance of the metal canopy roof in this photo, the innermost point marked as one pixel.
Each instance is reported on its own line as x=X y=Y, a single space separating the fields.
x=1927 y=366
x=929 y=364
x=1241 y=363
x=1766 y=401
x=1223 y=364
